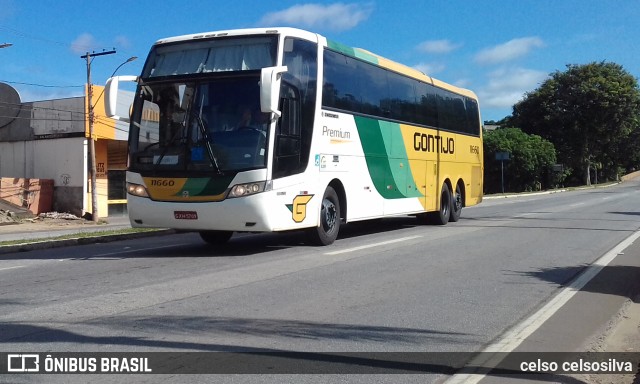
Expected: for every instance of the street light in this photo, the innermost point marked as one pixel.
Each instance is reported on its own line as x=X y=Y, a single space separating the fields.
x=132 y=58
x=92 y=146
x=5 y=45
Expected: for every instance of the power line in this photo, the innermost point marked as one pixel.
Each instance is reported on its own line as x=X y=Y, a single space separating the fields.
x=42 y=85
x=51 y=111
x=102 y=121
x=18 y=33
x=33 y=37
x=31 y=108
x=41 y=119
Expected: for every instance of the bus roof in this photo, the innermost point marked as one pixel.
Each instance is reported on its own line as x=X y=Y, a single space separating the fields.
x=383 y=62
x=241 y=32
x=358 y=53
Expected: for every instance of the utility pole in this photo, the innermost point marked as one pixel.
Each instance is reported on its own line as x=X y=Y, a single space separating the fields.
x=92 y=145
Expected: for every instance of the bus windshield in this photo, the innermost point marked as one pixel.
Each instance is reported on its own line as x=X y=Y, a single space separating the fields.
x=219 y=55
x=212 y=125
x=199 y=106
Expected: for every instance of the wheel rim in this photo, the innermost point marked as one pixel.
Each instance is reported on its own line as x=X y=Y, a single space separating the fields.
x=458 y=200
x=329 y=215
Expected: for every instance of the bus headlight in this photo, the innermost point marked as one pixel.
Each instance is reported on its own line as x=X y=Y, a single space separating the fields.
x=137 y=190
x=240 y=190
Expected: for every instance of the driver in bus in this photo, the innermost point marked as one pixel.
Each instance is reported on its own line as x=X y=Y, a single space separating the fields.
x=253 y=118
x=171 y=115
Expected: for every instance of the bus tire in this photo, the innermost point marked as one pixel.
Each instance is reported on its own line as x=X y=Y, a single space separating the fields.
x=456 y=205
x=442 y=215
x=216 y=237
x=327 y=232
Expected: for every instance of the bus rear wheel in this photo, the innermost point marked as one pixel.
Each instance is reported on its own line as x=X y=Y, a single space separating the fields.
x=216 y=237
x=442 y=215
x=327 y=232
x=456 y=205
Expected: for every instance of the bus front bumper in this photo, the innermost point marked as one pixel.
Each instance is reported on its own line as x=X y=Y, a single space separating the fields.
x=262 y=212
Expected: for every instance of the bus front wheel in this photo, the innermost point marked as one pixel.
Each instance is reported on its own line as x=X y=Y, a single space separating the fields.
x=216 y=237
x=327 y=232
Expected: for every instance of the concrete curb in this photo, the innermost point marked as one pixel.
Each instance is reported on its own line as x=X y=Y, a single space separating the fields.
x=527 y=194
x=49 y=243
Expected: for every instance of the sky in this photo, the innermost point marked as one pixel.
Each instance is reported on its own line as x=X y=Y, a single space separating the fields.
x=500 y=49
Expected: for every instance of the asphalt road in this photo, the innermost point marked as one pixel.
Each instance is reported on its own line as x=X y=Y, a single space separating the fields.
x=388 y=286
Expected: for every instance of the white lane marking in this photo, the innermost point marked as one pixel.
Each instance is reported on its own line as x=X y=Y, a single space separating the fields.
x=371 y=245
x=577 y=204
x=139 y=249
x=17 y=266
x=514 y=337
x=527 y=214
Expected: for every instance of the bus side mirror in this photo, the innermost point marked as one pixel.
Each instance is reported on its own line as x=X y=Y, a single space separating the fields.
x=270 y=79
x=111 y=96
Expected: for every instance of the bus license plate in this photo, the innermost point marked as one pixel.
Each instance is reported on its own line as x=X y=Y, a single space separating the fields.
x=185 y=215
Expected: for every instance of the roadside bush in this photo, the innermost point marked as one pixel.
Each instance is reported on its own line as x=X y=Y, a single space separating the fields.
x=530 y=164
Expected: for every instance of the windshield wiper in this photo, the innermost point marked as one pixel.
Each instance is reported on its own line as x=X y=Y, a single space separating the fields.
x=177 y=134
x=207 y=142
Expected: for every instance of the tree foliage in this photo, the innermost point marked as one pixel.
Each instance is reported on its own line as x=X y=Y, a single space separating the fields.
x=530 y=164
x=589 y=112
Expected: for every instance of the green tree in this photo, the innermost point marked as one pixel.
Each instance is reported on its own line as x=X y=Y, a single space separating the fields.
x=588 y=112
x=530 y=164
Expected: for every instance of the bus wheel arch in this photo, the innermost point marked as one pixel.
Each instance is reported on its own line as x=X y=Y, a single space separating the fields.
x=342 y=198
x=332 y=213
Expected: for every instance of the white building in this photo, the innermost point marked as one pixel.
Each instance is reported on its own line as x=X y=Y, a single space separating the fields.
x=50 y=140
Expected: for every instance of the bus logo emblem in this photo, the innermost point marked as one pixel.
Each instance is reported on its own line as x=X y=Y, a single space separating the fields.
x=299 y=207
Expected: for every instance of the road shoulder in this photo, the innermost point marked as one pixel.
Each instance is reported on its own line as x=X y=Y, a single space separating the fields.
x=622 y=334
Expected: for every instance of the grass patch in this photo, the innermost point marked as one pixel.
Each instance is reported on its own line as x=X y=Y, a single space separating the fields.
x=80 y=235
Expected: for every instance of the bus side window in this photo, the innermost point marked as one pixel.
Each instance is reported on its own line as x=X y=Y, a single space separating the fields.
x=289 y=132
x=289 y=124
x=288 y=140
x=298 y=100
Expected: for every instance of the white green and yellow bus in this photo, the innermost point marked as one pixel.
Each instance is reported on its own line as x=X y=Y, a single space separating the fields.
x=265 y=130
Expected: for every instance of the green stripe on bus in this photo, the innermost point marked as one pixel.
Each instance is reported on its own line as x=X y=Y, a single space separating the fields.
x=386 y=160
x=353 y=52
x=206 y=186
x=340 y=47
x=398 y=160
